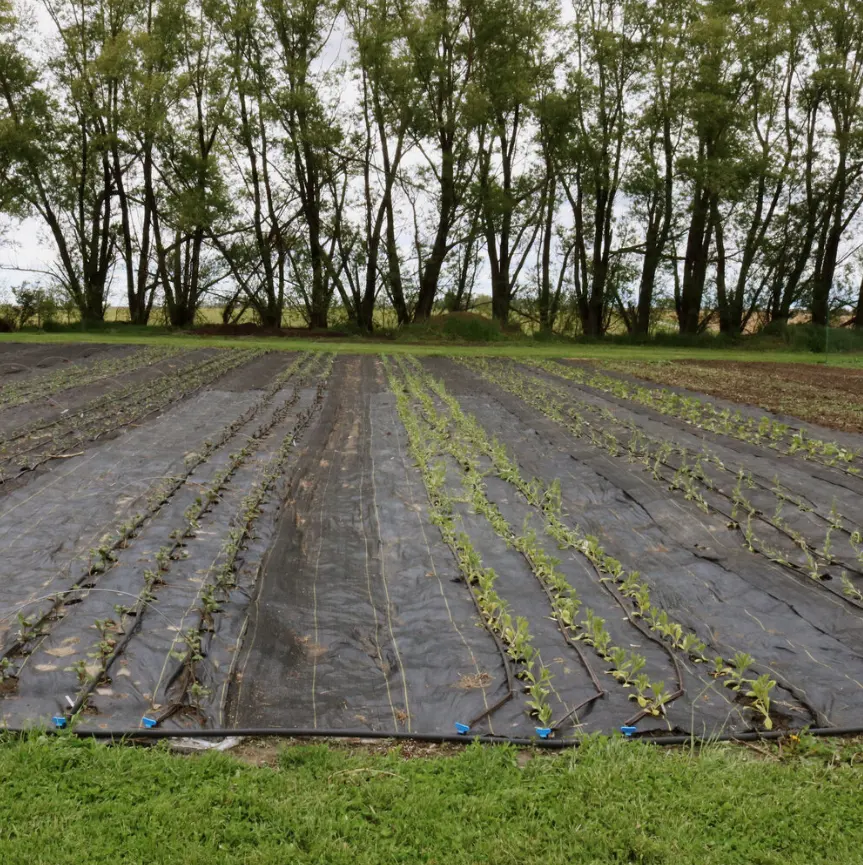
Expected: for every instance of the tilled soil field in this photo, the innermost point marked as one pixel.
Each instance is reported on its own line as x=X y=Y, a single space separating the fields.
x=234 y=538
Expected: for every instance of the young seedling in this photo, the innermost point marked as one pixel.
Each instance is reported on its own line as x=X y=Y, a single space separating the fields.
x=759 y=691
x=849 y=589
x=740 y=663
x=163 y=558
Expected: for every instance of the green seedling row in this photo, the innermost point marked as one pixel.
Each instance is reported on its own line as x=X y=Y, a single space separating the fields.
x=687 y=476
x=104 y=556
x=629 y=584
x=35 y=445
x=455 y=437
x=705 y=415
x=44 y=386
x=495 y=612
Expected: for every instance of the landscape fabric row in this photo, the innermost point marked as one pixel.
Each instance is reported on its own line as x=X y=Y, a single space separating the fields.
x=226 y=538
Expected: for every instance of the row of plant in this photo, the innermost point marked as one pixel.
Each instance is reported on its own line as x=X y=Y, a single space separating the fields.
x=704 y=460
x=35 y=623
x=28 y=448
x=189 y=681
x=30 y=436
x=697 y=476
x=511 y=631
x=463 y=433
x=115 y=635
x=461 y=437
x=77 y=375
x=107 y=401
x=706 y=415
x=458 y=436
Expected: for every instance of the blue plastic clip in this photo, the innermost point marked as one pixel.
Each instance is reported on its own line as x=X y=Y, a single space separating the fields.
x=461 y=729
x=543 y=732
x=59 y=721
x=628 y=731
x=149 y=722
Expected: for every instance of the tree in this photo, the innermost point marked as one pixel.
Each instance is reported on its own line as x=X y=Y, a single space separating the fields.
x=718 y=84
x=387 y=99
x=602 y=82
x=836 y=33
x=509 y=39
x=440 y=42
x=61 y=162
x=312 y=137
x=655 y=137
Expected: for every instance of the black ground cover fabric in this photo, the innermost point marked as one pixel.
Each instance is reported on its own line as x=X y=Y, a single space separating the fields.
x=349 y=610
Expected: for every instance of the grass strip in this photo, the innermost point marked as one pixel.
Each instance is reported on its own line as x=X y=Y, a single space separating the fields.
x=610 y=801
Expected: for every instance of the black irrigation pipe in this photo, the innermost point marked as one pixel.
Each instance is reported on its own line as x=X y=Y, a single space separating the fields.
x=433 y=738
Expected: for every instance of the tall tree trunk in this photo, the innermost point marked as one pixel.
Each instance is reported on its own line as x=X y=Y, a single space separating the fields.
x=729 y=322
x=695 y=263
x=823 y=278
x=434 y=261
x=394 y=273
x=546 y=313
x=858 y=313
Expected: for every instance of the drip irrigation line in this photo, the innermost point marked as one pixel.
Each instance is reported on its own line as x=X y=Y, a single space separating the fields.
x=432 y=738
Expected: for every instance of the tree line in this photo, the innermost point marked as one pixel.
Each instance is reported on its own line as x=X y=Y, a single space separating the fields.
x=586 y=162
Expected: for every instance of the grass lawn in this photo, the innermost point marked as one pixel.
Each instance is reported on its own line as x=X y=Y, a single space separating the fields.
x=67 y=801
x=526 y=348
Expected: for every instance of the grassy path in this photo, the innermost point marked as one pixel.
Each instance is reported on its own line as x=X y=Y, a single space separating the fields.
x=499 y=349
x=610 y=801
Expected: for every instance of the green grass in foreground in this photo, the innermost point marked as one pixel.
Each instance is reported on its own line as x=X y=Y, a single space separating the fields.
x=610 y=801
x=527 y=348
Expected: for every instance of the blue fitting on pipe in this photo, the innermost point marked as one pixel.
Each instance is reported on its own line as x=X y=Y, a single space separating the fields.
x=628 y=731
x=59 y=721
x=543 y=732
x=149 y=723
x=461 y=729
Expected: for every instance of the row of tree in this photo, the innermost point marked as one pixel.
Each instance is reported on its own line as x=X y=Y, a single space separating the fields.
x=311 y=154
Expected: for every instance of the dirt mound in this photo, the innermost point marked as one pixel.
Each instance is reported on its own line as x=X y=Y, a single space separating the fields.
x=252 y=329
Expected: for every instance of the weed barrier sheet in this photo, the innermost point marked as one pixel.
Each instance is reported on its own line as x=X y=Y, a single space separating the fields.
x=361 y=620
x=280 y=563
x=804 y=635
